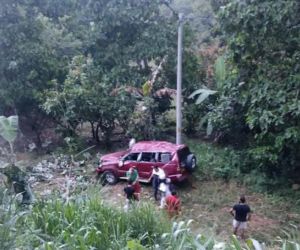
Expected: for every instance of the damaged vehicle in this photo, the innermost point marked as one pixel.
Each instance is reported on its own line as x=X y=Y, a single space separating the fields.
x=176 y=160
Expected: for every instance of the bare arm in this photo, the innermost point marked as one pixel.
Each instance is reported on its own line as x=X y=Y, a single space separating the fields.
x=150 y=177
x=231 y=211
x=249 y=216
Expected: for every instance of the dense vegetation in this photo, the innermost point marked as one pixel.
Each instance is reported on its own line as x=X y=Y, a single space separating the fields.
x=111 y=64
x=258 y=106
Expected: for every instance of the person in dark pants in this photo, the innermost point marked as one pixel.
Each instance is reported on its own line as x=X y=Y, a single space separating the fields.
x=130 y=197
x=158 y=175
x=133 y=176
x=241 y=213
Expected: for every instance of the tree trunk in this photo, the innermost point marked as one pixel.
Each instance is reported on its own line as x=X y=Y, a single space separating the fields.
x=97 y=133
x=93 y=130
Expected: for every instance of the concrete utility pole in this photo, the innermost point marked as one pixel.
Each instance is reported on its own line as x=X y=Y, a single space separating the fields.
x=179 y=80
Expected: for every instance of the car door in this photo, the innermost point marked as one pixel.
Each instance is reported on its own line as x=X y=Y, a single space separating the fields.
x=165 y=161
x=127 y=162
x=145 y=164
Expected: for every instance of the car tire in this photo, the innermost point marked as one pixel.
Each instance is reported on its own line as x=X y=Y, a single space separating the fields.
x=109 y=177
x=191 y=163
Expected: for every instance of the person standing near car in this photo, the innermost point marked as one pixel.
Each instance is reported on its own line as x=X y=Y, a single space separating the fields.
x=133 y=177
x=158 y=176
x=165 y=189
x=241 y=213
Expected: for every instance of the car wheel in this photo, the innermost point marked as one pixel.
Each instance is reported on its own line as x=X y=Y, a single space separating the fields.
x=109 y=177
x=191 y=162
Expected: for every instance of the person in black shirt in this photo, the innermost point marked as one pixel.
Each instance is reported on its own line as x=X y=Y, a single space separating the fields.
x=241 y=213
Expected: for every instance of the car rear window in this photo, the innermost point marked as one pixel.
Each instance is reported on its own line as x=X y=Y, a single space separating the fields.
x=183 y=153
x=164 y=157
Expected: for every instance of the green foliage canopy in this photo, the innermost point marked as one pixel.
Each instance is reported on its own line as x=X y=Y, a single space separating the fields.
x=260 y=98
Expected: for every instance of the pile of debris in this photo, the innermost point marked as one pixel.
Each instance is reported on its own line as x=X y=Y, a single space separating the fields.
x=48 y=169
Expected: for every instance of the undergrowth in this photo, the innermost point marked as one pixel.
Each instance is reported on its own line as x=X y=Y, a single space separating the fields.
x=86 y=222
x=231 y=164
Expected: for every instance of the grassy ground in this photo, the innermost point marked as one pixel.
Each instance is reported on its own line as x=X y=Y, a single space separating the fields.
x=207 y=200
x=208 y=204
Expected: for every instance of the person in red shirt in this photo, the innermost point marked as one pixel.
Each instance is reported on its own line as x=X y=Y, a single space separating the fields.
x=173 y=205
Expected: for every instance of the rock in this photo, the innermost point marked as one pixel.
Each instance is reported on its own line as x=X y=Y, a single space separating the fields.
x=31 y=146
x=39 y=168
x=32 y=179
x=219 y=246
x=44 y=177
x=296 y=187
x=46 y=143
x=46 y=192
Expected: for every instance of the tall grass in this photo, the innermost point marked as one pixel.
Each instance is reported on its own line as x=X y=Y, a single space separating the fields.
x=10 y=215
x=86 y=222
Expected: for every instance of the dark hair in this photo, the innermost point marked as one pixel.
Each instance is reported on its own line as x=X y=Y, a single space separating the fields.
x=130 y=182
x=174 y=192
x=242 y=199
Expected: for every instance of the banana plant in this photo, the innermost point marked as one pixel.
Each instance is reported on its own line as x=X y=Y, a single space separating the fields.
x=9 y=130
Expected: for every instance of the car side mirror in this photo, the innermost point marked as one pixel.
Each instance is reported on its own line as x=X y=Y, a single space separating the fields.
x=121 y=163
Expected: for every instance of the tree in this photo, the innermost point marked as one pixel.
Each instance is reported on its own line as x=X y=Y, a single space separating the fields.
x=33 y=51
x=84 y=97
x=261 y=90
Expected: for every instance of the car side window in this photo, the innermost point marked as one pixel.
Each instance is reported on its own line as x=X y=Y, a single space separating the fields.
x=164 y=157
x=131 y=157
x=148 y=157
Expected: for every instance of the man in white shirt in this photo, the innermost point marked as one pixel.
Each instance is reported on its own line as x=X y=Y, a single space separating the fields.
x=158 y=176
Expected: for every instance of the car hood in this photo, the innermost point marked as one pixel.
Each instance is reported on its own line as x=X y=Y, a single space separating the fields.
x=113 y=157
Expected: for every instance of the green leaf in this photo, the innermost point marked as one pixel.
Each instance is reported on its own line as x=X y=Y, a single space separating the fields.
x=236 y=243
x=220 y=71
x=253 y=244
x=9 y=127
x=203 y=94
x=134 y=245
x=146 y=88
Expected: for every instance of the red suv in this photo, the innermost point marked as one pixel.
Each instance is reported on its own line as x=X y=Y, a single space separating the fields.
x=176 y=160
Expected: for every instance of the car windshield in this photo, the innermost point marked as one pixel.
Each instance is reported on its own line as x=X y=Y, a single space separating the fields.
x=182 y=154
